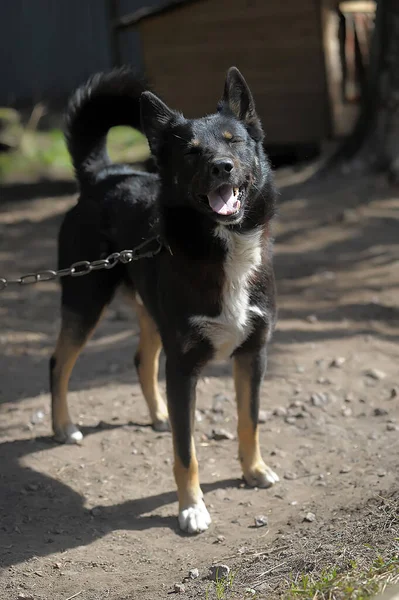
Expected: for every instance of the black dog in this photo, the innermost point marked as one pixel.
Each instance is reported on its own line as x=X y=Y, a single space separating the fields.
x=208 y=294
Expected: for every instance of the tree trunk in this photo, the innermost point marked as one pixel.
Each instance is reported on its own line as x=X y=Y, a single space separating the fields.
x=374 y=143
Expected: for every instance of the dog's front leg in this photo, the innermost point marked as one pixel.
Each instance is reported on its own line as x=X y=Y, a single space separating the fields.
x=249 y=369
x=181 y=381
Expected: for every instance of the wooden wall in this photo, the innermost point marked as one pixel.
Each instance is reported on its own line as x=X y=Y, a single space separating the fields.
x=277 y=44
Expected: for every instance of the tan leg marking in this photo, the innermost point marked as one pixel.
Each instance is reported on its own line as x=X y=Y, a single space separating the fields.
x=256 y=472
x=148 y=363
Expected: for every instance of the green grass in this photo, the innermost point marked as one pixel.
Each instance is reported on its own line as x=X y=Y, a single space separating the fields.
x=357 y=583
x=44 y=154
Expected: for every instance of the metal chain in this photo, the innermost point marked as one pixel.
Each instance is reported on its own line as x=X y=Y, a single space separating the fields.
x=84 y=267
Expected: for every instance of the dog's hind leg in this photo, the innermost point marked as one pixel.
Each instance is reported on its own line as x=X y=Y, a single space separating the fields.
x=74 y=333
x=249 y=368
x=147 y=363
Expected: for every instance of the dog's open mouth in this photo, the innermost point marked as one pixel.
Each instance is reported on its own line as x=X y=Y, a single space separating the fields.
x=225 y=200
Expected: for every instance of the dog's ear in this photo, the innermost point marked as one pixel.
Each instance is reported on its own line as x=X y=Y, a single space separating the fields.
x=238 y=99
x=155 y=117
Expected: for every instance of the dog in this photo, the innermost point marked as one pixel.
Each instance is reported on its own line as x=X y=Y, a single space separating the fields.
x=208 y=294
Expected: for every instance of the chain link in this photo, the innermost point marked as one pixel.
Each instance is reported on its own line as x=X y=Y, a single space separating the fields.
x=84 y=267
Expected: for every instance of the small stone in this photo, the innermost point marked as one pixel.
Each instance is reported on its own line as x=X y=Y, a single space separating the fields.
x=250 y=591
x=380 y=412
x=290 y=475
x=312 y=319
x=31 y=487
x=22 y=596
x=309 y=517
x=338 y=362
x=290 y=420
x=193 y=574
x=373 y=435
x=217 y=572
x=198 y=416
x=345 y=469
x=37 y=417
x=221 y=434
x=135 y=451
x=375 y=374
x=96 y=512
x=349 y=397
x=324 y=380
x=264 y=415
x=381 y=473
x=261 y=521
x=392 y=427
x=280 y=411
x=179 y=588
x=318 y=399
x=218 y=403
x=300 y=369
x=57 y=565
x=394 y=393
x=346 y=411
x=220 y=539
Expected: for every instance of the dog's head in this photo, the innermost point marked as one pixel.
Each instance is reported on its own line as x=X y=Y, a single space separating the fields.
x=213 y=164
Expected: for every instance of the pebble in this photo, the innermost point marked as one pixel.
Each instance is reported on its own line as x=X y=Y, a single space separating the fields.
x=346 y=411
x=221 y=434
x=193 y=574
x=198 y=416
x=325 y=380
x=179 y=588
x=218 y=403
x=345 y=469
x=380 y=412
x=381 y=473
x=217 y=572
x=220 y=539
x=250 y=591
x=22 y=596
x=96 y=512
x=37 y=417
x=290 y=476
x=394 y=393
x=290 y=420
x=392 y=427
x=311 y=319
x=319 y=399
x=338 y=362
x=264 y=415
x=280 y=411
x=261 y=521
x=309 y=517
x=375 y=374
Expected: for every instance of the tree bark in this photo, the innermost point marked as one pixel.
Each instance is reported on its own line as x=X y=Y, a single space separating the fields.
x=374 y=143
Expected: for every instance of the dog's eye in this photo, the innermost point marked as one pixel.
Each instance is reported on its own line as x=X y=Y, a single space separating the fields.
x=193 y=151
x=236 y=140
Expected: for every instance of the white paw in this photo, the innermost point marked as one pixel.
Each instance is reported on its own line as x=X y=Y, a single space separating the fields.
x=70 y=434
x=262 y=476
x=194 y=518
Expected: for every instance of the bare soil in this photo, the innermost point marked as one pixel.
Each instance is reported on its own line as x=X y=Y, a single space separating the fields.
x=99 y=521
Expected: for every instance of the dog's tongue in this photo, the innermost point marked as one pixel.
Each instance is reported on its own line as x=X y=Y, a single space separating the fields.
x=223 y=201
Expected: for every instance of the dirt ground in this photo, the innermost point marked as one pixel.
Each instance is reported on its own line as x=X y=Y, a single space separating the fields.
x=99 y=521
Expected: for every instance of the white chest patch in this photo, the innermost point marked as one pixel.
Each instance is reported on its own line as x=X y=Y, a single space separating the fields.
x=228 y=330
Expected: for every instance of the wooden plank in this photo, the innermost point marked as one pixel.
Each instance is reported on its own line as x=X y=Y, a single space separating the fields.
x=277 y=45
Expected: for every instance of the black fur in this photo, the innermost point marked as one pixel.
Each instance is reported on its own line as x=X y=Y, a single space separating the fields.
x=118 y=208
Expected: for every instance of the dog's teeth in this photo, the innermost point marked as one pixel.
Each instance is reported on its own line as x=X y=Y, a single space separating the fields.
x=235 y=191
x=238 y=205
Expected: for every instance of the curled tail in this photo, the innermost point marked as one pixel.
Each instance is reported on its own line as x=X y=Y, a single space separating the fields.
x=105 y=101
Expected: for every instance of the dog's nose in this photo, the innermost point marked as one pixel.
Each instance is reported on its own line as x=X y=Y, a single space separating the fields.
x=222 y=166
